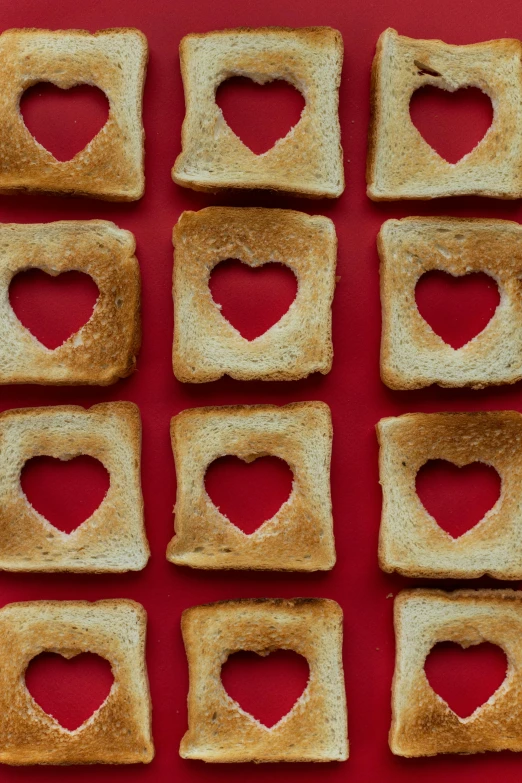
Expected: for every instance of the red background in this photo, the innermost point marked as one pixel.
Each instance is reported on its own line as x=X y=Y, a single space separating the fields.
x=352 y=389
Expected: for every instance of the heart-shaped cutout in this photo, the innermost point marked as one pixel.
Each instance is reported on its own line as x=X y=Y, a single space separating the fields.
x=259 y=114
x=69 y=689
x=267 y=687
x=457 y=308
x=52 y=308
x=252 y=299
x=64 y=121
x=248 y=493
x=457 y=498
x=452 y=123
x=465 y=678
x=66 y=493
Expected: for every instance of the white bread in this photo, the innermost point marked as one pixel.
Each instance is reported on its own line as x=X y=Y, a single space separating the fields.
x=412 y=354
x=110 y=167
x=105 y=348
x=119 y=732
x=219 y=730
x=299 y=537
x=422 y=722
x=411 y=542
x=401 y=164
x=308 y=160
x=206 y=345
x=113 y=538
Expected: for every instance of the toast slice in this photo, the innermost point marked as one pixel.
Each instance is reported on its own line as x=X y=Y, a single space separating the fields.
x=422 y=722
x=206 y=345
x=401 y=164
x=105 y=348
x=308 y=160
x=110 y=167
x=412 y=354
x=299 y=537
x=220 y=731
x=411 y=542
x=119 y=732
x=113 y=538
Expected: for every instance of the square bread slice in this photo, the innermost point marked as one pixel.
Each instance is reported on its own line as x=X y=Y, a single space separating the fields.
x=422 y=722
x=401 y=164
x=308 y=161
x=105 y=348
x=412 y=354
x=110 y=167
x=299 y=537
x=220 y=731
x=119 y=731
x=411 y=542
x=206 y=345
x=113 y=538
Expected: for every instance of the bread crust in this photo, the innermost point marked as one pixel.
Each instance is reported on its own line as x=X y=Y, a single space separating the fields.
x=412 y=354
x=110 y=167
x=422 y=723
x=105 y=347
x=206 y=345
x=299 y=537
x=119 y=731
x=308 y=160
x=219 y=729
x=400 y=163
x=113 y=538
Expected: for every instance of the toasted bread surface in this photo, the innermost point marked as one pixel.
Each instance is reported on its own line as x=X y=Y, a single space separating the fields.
x=105 y=348
x=206 y=345
x=411 y=542
x=119 y=731
x=113 y=538
x=401 y=164
x=110 y=167
x=422 y=722
x=299 y=537
x=412 y=354
x=308 y=160
x=315 y=729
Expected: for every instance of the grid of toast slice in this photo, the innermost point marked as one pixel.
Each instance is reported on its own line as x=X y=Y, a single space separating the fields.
x=119 y=732
x=206 y=345
x=110 y=167
x=219 y=730
x=299 y=537
x=308 y=160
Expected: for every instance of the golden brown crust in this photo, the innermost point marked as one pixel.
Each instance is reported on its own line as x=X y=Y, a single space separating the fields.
x=110 y=167
x=113 y=538
x=119 y=732
x=219 y=730
x=206 y=346
x=422 y=722
x=105 y=348
x=299 y=537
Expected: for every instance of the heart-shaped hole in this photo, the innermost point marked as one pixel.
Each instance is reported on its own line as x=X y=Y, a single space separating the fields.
x=252 y=299
x=53 y=308
x=66 y=493
x=465 y=678
x=457 y=498
x=69 y=689
x=64 y=121
x=248 y=493
x=259 y=114
x=453 y=123
x=457 y=308
x=268 y=686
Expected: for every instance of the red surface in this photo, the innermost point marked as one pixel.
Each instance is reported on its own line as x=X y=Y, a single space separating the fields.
x=352 y=389
x=458 y=498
